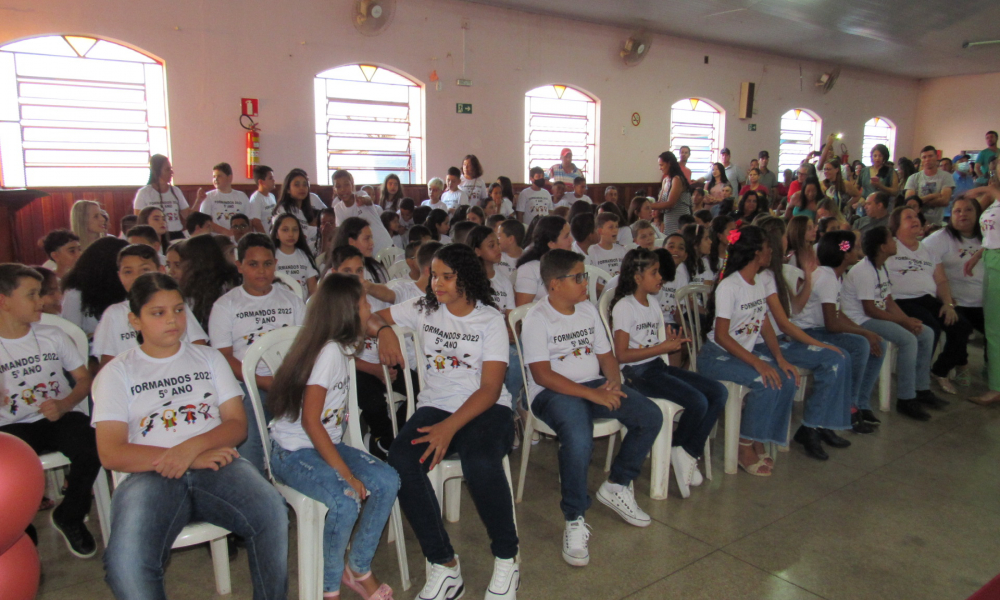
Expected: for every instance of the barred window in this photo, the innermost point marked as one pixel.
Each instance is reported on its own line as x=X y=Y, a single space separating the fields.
x=557 y=117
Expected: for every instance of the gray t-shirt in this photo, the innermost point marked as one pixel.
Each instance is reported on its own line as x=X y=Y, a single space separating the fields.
x=768 y=180
x=925 y=185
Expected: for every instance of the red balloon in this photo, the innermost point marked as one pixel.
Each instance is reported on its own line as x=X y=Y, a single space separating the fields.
x=19 y=570
x=22 y=484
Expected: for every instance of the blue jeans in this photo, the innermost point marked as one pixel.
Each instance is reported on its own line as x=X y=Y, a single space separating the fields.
x=481 y=445
x=572 y=419
x=306 y=471
x=702 y=398
x=913 y=362
x=252 y=448
x=829 y=405
x=148 y=512
x=865 y=367
x=514 y=381
x=766 y=410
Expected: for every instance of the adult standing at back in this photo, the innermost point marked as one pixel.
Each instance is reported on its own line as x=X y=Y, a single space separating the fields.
x=880 y=176
x=349 y=204
x=767 y=177
x=931 y=185
x=565 y=171
x=685 y=152
x=158 y=192
x=675 y=195
x=472 y=181
x=87 y=221
x=733 y=174
x=984 y=157
x=989 y=199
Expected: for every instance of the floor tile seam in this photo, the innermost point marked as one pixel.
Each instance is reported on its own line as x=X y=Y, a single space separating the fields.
x=668 y=575
x=803 y=588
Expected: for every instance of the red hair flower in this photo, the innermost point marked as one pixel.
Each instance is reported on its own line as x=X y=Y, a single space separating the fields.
x=845 y=246
x=734 y=236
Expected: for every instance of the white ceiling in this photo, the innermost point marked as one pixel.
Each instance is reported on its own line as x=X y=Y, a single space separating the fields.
x=911 y=38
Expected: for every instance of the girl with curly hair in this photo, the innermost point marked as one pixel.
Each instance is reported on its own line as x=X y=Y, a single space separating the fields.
x=93 y=285
x=462 y=407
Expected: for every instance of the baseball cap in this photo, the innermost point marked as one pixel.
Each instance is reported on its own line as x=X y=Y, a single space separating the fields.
x=564 y=152
x=725 y=151
x=763 y=154
x=959 y=157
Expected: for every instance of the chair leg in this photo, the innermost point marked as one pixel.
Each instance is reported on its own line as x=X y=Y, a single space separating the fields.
x=734 y=409
x=708 y=459
x=102 y=498
x=453 y=499
x=529 y=429
x=438 y=485
x=659 y=468
x=306 y=530
x=611 y=452
x=885 y=380
x=396 y=529
x=220 y=562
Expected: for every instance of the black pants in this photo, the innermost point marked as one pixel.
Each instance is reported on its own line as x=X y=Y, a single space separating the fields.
x=977 y=318
x=375 y=411
x=956 y=353
x=73 y=436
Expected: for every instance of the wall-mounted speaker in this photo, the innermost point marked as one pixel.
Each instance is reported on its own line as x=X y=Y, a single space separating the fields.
x=746 y=99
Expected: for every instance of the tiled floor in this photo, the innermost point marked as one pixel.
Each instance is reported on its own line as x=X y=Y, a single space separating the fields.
x=911 y=512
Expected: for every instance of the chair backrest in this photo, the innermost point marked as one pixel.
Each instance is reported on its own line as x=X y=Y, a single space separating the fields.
x=271 y=349
x=604 y=307
x=514 y=318
x=389 y=256
x=401 y=334
x=690 y=299
x=290 y=282
x=399 y=270
x=75 y=333
x=595 y=273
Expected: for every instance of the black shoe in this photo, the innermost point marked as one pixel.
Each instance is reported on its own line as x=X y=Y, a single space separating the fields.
x=809 y=438
x=832 y=439
x=77 y=536
x=931 y=400
x=869 y=417
x=912 y=409
x=859 y=425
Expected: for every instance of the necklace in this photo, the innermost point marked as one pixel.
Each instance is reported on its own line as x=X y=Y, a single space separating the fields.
x=38 y=346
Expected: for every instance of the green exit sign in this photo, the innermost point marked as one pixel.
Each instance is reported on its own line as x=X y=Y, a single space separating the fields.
x=463 y=108
x=752 y=127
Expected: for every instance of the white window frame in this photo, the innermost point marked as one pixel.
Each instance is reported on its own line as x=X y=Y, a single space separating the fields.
x=79 y=110
x=553 y=121
x=873 y=135
x=798 y=135
x=699 y=124
x=388 y=124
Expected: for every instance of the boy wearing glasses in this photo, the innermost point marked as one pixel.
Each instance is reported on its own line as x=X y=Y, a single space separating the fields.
x=567 y=350
x=239 y=224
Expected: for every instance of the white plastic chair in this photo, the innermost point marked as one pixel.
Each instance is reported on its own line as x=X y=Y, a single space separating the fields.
x=659 y=479
x=602 y=427
x=200 y=533
x=446 y=477
x=593 y=275
x=310 y=514
x=885 y=377
x=389 y=256
x=688 y=299
x=57 y=460
x=289 y=281
x=399 y=270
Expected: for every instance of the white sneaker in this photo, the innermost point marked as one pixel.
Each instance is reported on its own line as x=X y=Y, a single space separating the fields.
x=443 y=583
x=506 y=580
x=696 y=477
x=683 y=465
x=575 y=543
x=623 y=503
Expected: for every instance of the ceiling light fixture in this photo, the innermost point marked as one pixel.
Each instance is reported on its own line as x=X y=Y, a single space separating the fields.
x=968 y=45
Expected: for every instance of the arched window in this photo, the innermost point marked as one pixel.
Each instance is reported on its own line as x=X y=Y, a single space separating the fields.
x=370 y=121
x=698 y=124
x=78 y=110
x=799 y=136
x=878 y=130
x=557 y=117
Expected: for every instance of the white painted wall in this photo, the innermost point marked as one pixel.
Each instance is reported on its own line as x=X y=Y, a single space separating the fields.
x=954 y=113
x=217 y=51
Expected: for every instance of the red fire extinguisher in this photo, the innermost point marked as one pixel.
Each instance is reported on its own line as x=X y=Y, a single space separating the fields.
x=253 y=144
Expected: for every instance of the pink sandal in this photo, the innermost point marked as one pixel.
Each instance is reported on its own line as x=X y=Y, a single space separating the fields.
x=384 y=592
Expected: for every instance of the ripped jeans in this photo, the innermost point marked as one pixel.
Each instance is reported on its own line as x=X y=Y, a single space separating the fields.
x=307 y=472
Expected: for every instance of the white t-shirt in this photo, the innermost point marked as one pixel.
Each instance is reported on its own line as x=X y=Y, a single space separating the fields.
x=311 y=233
x=745 y=305
x=475 y=190
x=330 y=371
x=261 y=206
x=667 y=298
x=435 y=205
x=165 y=401
x=371 y=214
x=115 y=335
x=574 y=198
x=171 y=202
x=953 y=254
x=506 y=207
x=529 y=280
x=863 y=282
x=503 y=291
x=405 y=289
x=455 y=349
x=445 y=239
x=825 y=290
x=912 y=272
x=454 y=199
x=586 y=259
x=72 y=311
x=641 y=323
x=989 y=223
x=625 y=236
x=569 y=343
x=506 y=265
x=708 y=275
x=534 y=204
x=31 y=372
x=221 y=207
x=926 y=185
x=297 y=266
x=239 y=319
x=609 y=260
x=369 y=350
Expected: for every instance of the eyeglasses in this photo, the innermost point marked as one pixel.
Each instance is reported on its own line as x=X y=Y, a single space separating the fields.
x=579 y=277
x=240 y=227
